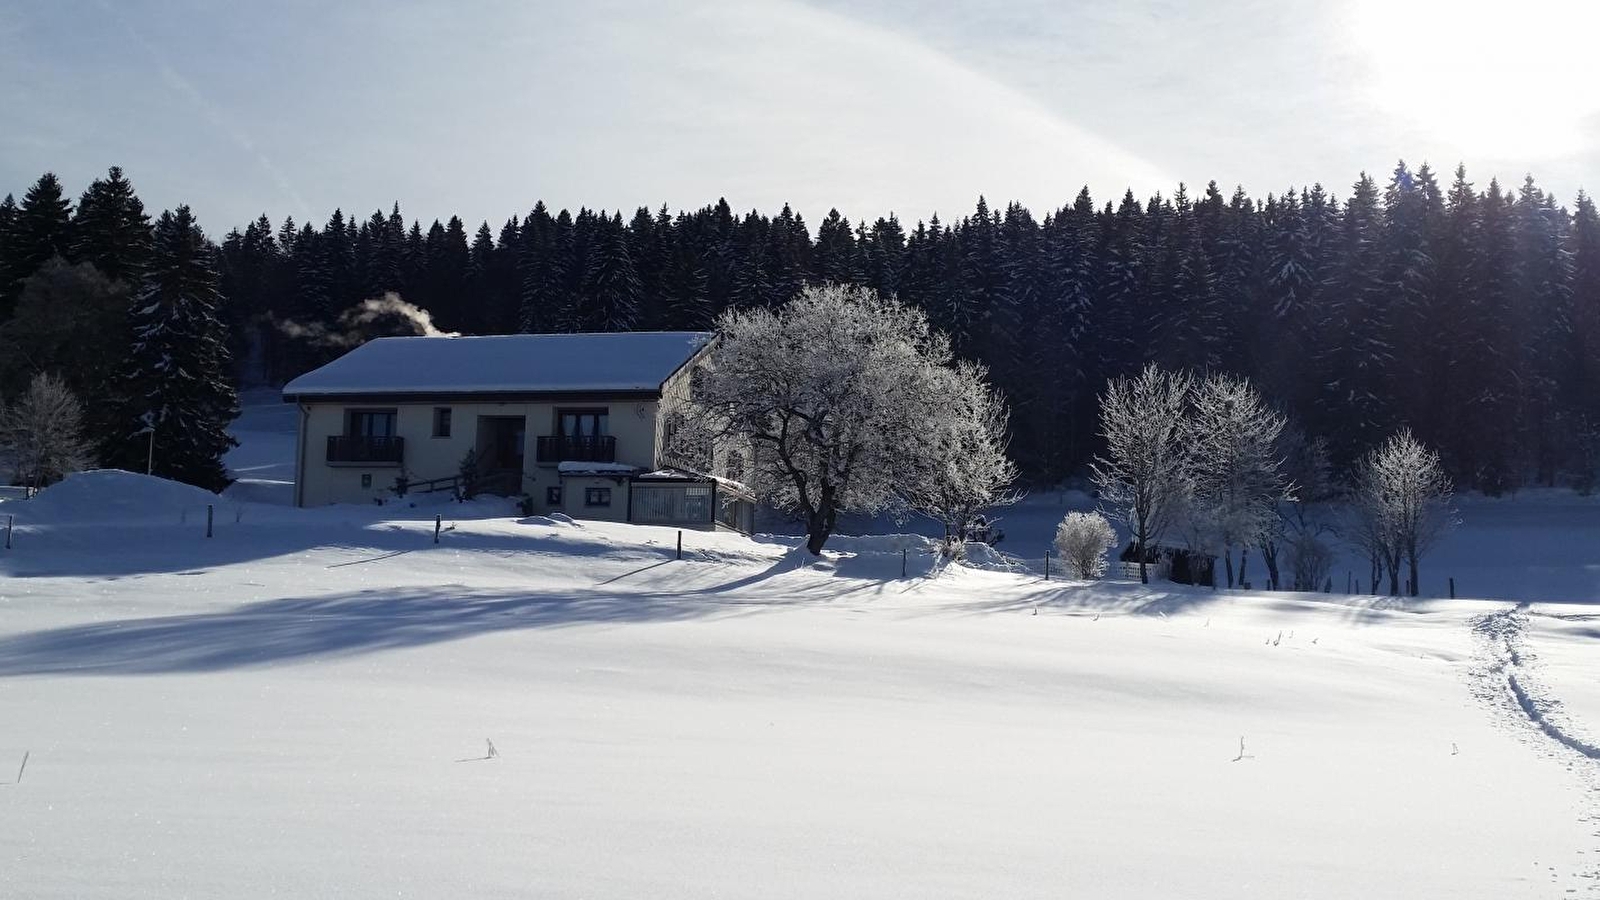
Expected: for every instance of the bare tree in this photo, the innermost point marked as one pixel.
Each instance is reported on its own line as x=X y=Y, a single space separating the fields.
x=1302 y=528
x=1082 y=540
x=43 y=432
x=848 y=402
x=965 y=469
x=1144 y=476
x=1402 y=505
x=1235 y=465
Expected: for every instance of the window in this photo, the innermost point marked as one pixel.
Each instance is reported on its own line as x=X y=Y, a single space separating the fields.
x=552 y=496
x=583 y=423
x=441 y=421
x=597 y=496
x=371 y=423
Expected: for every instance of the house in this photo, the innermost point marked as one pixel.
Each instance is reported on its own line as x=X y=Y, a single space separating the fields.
x=575 y=423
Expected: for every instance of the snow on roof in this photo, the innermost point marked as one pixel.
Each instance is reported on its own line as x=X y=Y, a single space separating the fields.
x=572 y=467
x=506 y=363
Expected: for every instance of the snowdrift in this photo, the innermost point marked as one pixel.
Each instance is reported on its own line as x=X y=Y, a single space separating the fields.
x=112 y=495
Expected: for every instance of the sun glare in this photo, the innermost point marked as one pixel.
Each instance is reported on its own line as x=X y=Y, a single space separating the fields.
x=1480 y=75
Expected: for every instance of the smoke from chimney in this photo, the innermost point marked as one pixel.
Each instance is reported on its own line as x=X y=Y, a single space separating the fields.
x=354 y=326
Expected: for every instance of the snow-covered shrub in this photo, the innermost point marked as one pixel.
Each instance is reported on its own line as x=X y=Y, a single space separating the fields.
x=1082 y=540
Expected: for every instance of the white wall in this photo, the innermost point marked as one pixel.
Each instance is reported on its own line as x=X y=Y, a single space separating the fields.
x=632 y=423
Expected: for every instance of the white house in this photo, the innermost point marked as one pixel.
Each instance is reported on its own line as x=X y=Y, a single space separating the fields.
x=576 y=423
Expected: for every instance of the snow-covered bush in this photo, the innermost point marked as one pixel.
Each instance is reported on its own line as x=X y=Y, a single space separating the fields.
x=1082 y=541
x=849 y=401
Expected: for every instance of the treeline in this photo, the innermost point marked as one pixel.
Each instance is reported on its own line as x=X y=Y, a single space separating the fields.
x=102 y=307
x=1472 y=316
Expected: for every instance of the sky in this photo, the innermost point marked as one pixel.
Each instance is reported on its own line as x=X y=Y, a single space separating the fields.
x=867 y=106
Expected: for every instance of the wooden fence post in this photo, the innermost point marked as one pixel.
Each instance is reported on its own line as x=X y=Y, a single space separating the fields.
x=680 y=543
x=1452 y=588
x=438 y=523
x=902 y=562
x=1047 y=565
x=210 y=512
x=8 y=531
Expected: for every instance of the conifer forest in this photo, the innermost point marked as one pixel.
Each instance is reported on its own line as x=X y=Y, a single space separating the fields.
x=1468 y=312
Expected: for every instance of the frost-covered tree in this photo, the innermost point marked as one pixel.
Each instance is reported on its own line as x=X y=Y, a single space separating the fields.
x=1234 y=465
x=42 y=432
x=174 y=382
x=1401 y=505
x=965 y=469
x=837 y=394
x=1302 y=529
x=1144 y=475
x=1082 y=540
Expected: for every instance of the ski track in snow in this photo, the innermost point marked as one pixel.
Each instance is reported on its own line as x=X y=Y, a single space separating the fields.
x=1507 y=681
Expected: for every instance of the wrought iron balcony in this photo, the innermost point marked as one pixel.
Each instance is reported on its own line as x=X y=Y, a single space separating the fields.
x=559 y=448
x=365 y=450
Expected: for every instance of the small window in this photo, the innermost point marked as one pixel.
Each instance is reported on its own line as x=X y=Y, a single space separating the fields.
x=366 y=479
x=441 y=421
x=552 y=496
x=597 y=496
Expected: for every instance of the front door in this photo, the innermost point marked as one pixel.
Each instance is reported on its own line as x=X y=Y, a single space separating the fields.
x=500 y=450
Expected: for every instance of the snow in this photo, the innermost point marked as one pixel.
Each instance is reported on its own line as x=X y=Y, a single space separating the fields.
x=596 y=468
x=109 y=495
x=301 y=706
x=512 y=363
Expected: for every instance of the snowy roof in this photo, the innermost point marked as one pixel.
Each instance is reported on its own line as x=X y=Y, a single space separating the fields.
x=572 y=467
x=504 y=364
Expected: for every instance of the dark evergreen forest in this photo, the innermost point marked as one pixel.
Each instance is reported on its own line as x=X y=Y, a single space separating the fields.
x=1470 y=314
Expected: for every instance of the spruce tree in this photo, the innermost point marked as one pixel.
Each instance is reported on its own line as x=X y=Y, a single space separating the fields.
x=111 y=230
x=42 y=229
x=612 y=293
x=174 y=382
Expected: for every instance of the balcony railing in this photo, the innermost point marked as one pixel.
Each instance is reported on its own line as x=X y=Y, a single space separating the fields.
x=356 y=449
x=558 y=448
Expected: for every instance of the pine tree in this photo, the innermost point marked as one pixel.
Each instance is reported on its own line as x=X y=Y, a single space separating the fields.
x=111 y=230
x=42 y=229
x=174 y=383
x=1543 y=273
x=540 y=272
x=834 y=259
x=612 y=293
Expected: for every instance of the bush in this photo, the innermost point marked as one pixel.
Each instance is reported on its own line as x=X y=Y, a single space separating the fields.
x=1082 y=540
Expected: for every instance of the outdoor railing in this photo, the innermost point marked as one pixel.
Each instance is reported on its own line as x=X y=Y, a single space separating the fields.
x=356 y=448
x=558 y=448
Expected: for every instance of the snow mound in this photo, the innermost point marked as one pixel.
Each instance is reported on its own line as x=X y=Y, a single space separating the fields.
x=101 y=495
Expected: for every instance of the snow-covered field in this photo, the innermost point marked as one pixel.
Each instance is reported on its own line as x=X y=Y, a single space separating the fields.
x=301 y=706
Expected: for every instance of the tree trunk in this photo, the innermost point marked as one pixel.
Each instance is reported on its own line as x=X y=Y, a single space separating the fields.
x=820 y=522
x=1269 y=556
x=1227 y=559
x=817 y=533
x=1244 y=558
x=1411 y=561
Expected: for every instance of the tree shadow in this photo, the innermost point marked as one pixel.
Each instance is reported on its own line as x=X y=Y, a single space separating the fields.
x=329 y=627
x=119 y=550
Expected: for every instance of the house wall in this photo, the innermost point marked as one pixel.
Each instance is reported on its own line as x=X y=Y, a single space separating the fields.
x=573 y=493
x=729 y=457
x=634 y=423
